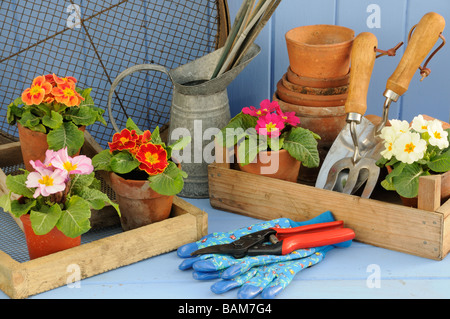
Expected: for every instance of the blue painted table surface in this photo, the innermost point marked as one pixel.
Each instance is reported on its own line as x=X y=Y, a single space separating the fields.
x=358 y=272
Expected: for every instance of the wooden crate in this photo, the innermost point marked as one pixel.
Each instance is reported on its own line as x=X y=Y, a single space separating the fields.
x=422 y=231
x=186 y=224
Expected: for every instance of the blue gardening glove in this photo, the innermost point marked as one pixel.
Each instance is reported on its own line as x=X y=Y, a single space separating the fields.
x=228 y=237
x=269 y=280
x=227 y=267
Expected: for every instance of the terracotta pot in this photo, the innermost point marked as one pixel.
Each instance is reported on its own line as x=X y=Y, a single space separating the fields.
x=275 y=164
x=445 y=191
x=34 y=145
x=317 y=82
x=139 y=204
x=320 y=51
x=302 y=89
x=309 y=99
x=43 y=245
x=327 y=122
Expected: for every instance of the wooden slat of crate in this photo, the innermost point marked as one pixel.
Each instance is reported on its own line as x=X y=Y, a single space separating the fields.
x=423 y=232
x=20 y=280
x=186 y=224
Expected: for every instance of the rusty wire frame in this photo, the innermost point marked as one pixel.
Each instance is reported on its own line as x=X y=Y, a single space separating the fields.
x=96 y=40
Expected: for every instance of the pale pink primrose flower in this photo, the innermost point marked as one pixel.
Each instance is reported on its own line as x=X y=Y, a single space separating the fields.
x=72 y=165
x=46 y=181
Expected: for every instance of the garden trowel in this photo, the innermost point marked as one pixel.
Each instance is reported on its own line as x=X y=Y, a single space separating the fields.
x=352 y=158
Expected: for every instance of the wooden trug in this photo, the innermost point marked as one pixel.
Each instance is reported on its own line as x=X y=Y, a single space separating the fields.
x=186 y=224
x=422 y=231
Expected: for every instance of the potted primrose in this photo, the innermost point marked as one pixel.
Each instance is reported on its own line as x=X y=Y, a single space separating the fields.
x=52 y=114
x=270 y=142
x=54 y=201
x=413 y=150
x=142 y=174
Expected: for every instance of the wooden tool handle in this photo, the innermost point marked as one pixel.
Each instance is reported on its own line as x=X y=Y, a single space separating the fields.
x=362 y=61
x=422 y=41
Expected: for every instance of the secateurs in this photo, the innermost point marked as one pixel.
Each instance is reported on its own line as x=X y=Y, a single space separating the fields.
x=282 y=241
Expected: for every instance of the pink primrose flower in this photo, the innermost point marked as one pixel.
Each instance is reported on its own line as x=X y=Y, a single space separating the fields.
x=46 y=181
x=289 y=117
x=270 y=125
x=72 y=165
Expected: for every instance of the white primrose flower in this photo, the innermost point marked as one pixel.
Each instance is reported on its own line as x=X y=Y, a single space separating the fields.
x=400 y=127
x=388 y=134
x=409 y=147
x=438 y=137
x=419 y=124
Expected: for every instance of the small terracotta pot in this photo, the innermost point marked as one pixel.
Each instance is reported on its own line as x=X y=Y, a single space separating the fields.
x=317 y=82
x=302 y=89
x=139 y=204
x=43 y=245
x=276 y=164
x=34 y=145
x=327 y=122
x=308 y=99
x=320 y=51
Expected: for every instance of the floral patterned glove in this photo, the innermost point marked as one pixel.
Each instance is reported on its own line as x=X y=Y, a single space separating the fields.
x=269 y=280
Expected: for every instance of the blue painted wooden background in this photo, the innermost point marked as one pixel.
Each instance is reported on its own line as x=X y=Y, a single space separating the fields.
x=431 y=96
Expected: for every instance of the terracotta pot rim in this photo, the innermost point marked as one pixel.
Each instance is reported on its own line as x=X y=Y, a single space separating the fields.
x=290 y=73
x=309 y=99
x=310 y=90
x=324 y=45
x=310 y=111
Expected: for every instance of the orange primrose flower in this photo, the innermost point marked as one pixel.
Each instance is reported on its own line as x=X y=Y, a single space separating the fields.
x=36 y=93
x=125 y=140
x=153 y=158
x=66 y=94
x=68 y=79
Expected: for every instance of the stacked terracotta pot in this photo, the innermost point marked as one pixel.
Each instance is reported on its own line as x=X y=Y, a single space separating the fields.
x=316 y=82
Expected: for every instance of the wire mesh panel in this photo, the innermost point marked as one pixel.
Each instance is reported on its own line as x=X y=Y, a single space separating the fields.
x=96 y=40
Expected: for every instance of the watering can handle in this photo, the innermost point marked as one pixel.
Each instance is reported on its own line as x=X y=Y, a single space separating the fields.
x=125 y=73
x=362 y=61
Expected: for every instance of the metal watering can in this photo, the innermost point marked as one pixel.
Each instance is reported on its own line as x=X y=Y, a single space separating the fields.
x=199 y=108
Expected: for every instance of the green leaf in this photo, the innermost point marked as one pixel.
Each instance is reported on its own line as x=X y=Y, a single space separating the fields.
x=5 y=202
x=16 y=184
x=74 y=219
x=170 y=182
x=53 y=121
x=79 y=181
x=18 y=209
x=407 y=183
x=181 y=143
x=102 y=160
x=97 y=199
x=123 y=163
x=302 y=145
x=29 y=120
x=82 y=115
x=156 y=137
x=440 y=163
x=86 y=94
x=236 y=129
x=67 y=135
x=130 y=125
x=45 y=219
x=13 y=113
x=249 y=148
